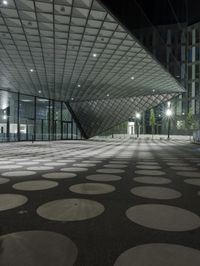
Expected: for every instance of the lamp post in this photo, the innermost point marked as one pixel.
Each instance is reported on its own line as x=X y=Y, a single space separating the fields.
x=138 y=116
x=168 y=115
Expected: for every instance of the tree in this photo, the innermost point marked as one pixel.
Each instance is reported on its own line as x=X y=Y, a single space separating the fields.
x=152 y=121
x=190 y=122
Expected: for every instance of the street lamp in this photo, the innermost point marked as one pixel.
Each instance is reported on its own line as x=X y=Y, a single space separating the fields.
x=168 y=115
x=138 y=116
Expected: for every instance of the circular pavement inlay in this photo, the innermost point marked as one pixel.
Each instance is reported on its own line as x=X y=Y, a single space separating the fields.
x=115 y=166
x=92 y=188
x=189 y=174
x=35 y=185
x=28 y=163
x=10 y=166
x=55 y=164
x=182 y=168
x=159 y=254
x=73 y=169
x=150 y=167
x=10 y=201
x=40 y=168
x=91 y=161
x=163 y=217
x=103 y=177
x=193 y=181
x=39 y=248
x=58 y=175
x=148 y=163
x=152 y=180
x=152 y=192
x=19 y=173
x=110 y=171
x=84 y=164
x=149 y=172
x=70 y=209
x=4 y=180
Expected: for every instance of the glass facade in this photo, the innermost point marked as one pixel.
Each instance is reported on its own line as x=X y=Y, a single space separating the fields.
x=27 y=118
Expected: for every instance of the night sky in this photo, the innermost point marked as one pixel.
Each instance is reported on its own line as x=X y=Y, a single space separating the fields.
x=141 y=13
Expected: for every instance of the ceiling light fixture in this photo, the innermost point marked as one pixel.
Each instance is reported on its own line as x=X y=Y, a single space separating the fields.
x=31 y=70
x=72 y=99
x=132 y=78
x=5 y=2
x=94 y=55
x=153 y=90
x=40 y=91
x=79 y=86
x=108 y=95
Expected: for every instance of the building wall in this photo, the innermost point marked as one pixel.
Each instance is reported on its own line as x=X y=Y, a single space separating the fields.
x=177 y=47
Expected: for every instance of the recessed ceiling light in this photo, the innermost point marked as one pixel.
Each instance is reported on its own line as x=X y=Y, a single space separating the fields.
x=62 y=9
x=132 y=77
x=72 y=99
x=5 y=2
x=153 y=90
x=26 y=100
x=108 y=95
x=40 y=91
x=94 y=55
x=79 y=85
x=31 y=70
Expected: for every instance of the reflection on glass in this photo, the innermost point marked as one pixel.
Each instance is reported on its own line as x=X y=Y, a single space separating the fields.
x=25 y=117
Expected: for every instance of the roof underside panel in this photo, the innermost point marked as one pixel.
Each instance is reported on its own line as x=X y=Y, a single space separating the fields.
x=76 y=51
x=101 y=115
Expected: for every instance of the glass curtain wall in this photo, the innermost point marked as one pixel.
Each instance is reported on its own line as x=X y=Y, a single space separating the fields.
x=27 y=118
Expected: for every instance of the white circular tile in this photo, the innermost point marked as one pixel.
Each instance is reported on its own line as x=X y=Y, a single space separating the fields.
x=150 y=167
x=19 y=173
x=159 y=254
x=149 y=172
x=10 y=201
x=110 y=171
x=163 y=217
x=189 y=174
x=118 y=162
x=84 y=164
x=35 y=185
x=4 y=180
x=182 y=168
x=70 y=209
x=37 y=248
x=91 y=161
x=28 y=163
x=178 y=164
x=103 y=177
x=152 y=180
x=40 y=168
x=10 y=166
x=148 y=163
x=66 y=161
x=73 y=169
x=55 y=164
x=115 y=166
x=58 y=175
x=195 y=182
x=92 y=188
x=152 y=192
x=42 y=160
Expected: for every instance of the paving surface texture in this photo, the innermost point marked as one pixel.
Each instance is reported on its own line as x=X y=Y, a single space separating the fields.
x=92 y=203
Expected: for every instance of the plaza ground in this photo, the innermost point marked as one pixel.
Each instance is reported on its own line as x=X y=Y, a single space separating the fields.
x=100 y=203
